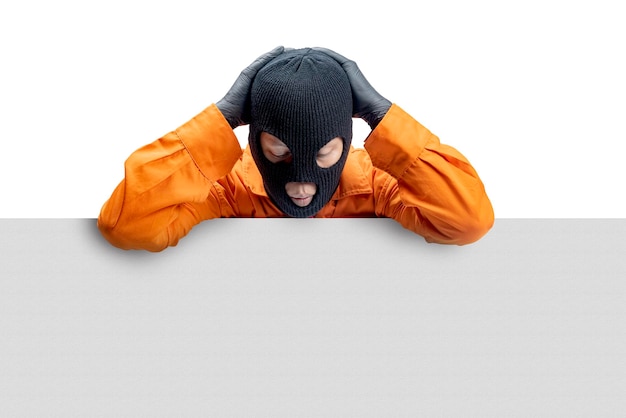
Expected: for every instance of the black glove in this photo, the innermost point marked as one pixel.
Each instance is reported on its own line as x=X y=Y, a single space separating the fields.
x=367 y=103
x=235 y=106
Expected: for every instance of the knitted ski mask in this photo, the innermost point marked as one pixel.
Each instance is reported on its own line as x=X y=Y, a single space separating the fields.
x=302 y=97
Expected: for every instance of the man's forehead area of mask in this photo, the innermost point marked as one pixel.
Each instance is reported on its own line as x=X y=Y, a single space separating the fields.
x=302 y=97
x=268 y=139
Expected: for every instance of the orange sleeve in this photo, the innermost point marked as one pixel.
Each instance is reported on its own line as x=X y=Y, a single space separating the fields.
x=437 y=192
x=169 y=186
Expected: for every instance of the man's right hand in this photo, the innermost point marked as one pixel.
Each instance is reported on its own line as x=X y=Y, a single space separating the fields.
x=235 y=106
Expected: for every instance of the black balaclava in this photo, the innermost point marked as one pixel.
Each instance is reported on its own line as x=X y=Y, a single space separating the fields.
x=302 y=97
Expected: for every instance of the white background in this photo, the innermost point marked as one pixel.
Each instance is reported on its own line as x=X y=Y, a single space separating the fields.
x=533 y=93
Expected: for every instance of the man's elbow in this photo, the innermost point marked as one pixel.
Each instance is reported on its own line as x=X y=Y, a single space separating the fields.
x=475 y=230
x=474 y=226
x=463 y=228
x=129 y=239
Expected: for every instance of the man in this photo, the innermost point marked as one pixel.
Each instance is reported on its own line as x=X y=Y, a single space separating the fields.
x=299 y=162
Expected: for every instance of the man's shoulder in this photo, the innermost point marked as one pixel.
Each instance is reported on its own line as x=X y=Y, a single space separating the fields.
x=359 y=157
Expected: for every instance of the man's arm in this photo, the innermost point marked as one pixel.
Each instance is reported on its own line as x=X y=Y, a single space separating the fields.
x=168 y=185
x=437 y=193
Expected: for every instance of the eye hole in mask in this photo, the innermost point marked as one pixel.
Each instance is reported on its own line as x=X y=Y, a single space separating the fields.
x=277 y=152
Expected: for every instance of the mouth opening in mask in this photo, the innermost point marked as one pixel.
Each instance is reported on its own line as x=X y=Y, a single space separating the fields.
x=301 y=194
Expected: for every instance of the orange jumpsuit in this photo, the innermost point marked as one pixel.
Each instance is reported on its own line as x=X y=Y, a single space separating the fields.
x=200 y=172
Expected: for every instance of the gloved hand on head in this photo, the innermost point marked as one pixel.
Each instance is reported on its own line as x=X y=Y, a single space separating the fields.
x=367 y=103
x=235 y=105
